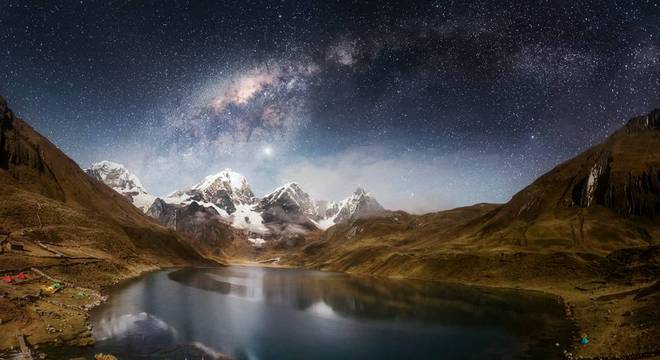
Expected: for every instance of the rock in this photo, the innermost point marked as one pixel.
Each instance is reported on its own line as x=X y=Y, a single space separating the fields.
x=592 y=285
x=104 y=357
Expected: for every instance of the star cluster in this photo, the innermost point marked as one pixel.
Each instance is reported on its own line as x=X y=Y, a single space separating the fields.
x=459 y=101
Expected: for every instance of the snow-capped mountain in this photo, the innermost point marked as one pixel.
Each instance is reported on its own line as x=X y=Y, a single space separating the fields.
x=122 y=181
x=228 y=198
x=359 y=205
x=229 y=194
x=226 y=190
x=290 y=204
x=292 y=199
x=288 y=209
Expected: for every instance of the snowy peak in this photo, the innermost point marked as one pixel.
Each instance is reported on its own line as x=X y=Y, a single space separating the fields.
x=290 y=198
x=229 y=194
x=292 y=191
x=122 y=181
x=287 y=209
x=233 y=183
x=226 y=189
x=115 y=175
x=290 y=203
x=359 y=205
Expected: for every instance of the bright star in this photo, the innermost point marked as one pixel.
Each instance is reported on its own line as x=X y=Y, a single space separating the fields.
x=268 y=151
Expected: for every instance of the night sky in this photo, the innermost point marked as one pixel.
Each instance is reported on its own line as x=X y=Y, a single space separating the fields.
x=428 y=105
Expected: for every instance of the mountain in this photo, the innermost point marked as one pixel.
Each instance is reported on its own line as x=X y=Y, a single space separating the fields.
x=47 y=198
x=122 y=181
x=603 y=200
x=357 y=206
x=290 y=204
x=226 y=190
x=588 y=230
x=222 y=207
x=206 y=229
x=288 y=209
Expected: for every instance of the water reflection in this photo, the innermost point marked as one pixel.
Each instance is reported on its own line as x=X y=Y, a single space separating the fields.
x=334 y=295
x=259 y=313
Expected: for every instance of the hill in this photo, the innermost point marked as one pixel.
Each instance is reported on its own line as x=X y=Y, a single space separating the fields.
x=61 y=221
x=588 y=229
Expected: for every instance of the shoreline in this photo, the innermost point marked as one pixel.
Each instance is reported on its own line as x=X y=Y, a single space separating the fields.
x=66 y=315
x=574 y=303
x=581 y=306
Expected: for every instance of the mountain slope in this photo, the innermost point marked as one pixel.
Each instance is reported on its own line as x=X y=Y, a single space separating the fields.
x=605 y=199
x=222 y=208
x=588 y=231
x=122 y=181
x=357 y=206
x=47 y=197
x=226 y=190
x=206 y=229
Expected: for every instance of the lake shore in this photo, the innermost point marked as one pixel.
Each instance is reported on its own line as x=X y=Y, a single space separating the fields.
x=613 y=303
x=608 y=313
x=60 y=318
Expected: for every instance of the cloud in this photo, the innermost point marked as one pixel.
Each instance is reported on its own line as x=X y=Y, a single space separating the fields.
x=409 y=181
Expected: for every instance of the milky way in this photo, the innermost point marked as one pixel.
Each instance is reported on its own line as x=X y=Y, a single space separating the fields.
x=429 y=105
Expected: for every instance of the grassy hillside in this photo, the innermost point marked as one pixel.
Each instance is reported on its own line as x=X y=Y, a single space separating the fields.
x=587 y=230
x=73 y=229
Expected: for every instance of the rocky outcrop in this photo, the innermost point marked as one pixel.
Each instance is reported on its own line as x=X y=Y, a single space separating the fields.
x=220 y=198
x=122 y=181
x=357 y=206
x=636 y=194
x=589 y=189
x=205 y=228
x=163 y=212
x=627 y=183
x=288 y=205
x=22 y=158
x=644 y=123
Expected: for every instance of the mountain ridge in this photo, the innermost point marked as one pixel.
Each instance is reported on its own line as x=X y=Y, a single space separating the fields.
x=604 y=199
x=230 y=195
x=34 y=171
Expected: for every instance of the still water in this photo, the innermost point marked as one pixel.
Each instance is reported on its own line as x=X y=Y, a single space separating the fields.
x=265 y=313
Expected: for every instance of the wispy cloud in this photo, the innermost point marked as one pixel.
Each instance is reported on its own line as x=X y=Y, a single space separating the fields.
x=402 y=180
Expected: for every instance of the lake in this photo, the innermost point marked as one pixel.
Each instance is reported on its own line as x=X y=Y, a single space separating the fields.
x=268 y=313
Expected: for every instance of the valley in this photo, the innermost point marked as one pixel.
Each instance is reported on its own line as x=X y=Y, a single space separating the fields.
x=585 y=231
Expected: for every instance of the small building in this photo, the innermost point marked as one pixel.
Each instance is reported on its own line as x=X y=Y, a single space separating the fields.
x=16 y=246
x=4 y=243
x=10 y=245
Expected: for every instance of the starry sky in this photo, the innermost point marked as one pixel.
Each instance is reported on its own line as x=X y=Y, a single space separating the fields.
x=427 y=104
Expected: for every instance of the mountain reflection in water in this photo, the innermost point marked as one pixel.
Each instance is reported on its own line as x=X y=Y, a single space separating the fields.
x=263 y=313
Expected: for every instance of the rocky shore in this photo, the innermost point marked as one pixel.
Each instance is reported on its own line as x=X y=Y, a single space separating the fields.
x=61 y=318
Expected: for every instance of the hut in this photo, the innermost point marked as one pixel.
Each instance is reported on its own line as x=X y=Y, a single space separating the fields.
x=12 y=245
x=16 y=246
x=3 y=243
